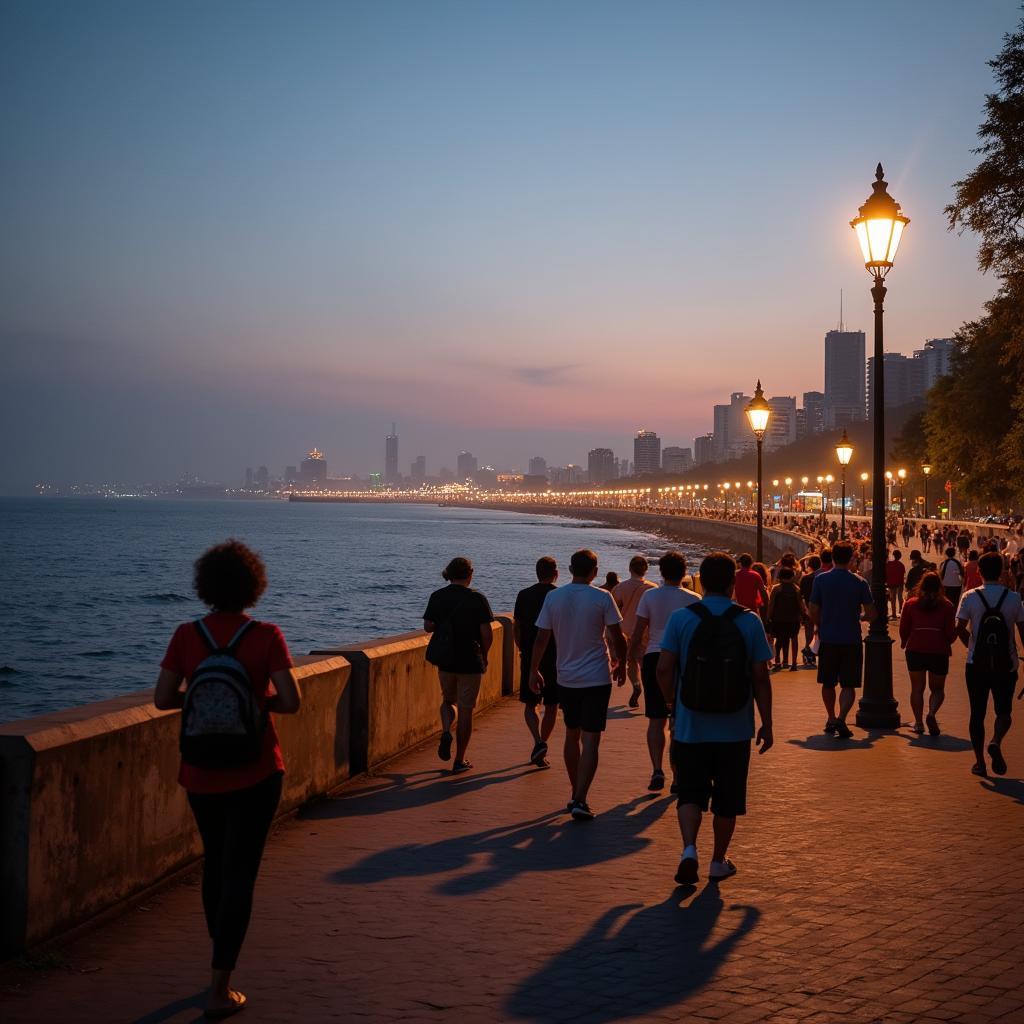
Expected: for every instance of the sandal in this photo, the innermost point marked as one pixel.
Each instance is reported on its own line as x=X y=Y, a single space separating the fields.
x=238 y=1003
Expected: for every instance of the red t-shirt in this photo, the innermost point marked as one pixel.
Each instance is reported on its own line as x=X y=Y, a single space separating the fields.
x=895 y=573
x=748 y=588
x=262 y=651
x=928 y=630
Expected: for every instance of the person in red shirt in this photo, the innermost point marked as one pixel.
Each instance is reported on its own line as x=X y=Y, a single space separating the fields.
x=895 y=577
x=972 y=574
x=750 y=591
x=927 y=632
x=233 y=806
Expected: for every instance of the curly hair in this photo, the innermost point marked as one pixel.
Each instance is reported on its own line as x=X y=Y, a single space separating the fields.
x=229 y=577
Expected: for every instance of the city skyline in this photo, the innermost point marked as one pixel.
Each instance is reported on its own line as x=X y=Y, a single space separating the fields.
x=525 y=252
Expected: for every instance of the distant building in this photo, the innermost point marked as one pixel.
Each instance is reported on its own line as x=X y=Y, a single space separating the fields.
x=704 y=449
x=263 y=478
x=486 y=477
x=418 y=470
x=732 y=436
x=466 y=466
x=391 y=457
x=535 y=482
x=936 y=358
x=904 y=379
x=676 y=460
x=538 y=466
x=814 y=413
x=782 y=423
x=646 y=452
x=625 y=468
x=249 y=478
x=844 y=378
x=291 y=474
x=601 y=465
x=313 y=470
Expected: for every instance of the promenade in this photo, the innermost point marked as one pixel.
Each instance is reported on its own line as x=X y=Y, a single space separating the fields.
x=878 y=881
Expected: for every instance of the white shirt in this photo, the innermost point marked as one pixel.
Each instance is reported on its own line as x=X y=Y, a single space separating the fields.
x=971 y=610
x=952 y=573
x=577 y=615
x=657 y=605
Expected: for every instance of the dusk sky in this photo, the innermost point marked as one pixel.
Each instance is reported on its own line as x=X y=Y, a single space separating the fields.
x=235 y=230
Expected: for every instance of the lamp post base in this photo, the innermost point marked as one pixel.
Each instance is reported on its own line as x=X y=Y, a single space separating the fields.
x=878 y=709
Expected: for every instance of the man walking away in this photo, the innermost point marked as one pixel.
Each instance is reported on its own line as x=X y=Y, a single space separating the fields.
x=627 y=596
x=806 y=582
x=714 y=668
x=952 y=575
x=749 y=587
x=837 y=598
x=918 y=567
x=524 y=630
x=984 y=623
x=652 y=615
x=459 y=621
x=577 y=617
x=895 y=577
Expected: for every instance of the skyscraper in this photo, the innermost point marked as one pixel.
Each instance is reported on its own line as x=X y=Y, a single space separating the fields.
x=391 y=457
x=418 y=470
x=814 y=411
x=601 y=466
x=844 y=378
x=538 y=466
x=732 y=435
x=904 y=379
x=313 y=470
x=646 y=452
x=704 y=449
x=466 y=467
x=676 y=460
x=936 y=357
x=782 y=424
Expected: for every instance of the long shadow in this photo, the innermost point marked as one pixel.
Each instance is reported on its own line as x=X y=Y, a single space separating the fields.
x=951 y=744
x=822 y=741
x=169 y=1010
x=398 y=792
x=629 y=966
x=549 y=842
x=1013 y=788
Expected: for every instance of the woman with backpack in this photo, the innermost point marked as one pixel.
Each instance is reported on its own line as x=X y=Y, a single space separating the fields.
x=236 y=672
x=786 y=610
x=927 y=632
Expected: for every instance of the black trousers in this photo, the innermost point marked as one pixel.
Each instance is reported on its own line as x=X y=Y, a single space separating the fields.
x=234 y=828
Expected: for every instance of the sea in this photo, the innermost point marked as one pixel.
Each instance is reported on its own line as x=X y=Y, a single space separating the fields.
x=91 y=589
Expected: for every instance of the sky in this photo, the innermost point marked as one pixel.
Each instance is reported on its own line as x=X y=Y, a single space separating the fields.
x=236 y=230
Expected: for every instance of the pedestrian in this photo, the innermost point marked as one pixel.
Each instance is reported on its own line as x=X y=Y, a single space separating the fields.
x=972 y=574
x=237 y=674
x=985 y=621
x=951 y=572
x=750 y=586
x=786 y=610
x=895 y=577
x=918 y=567
x=459 y=621
x=652 y=614
x=927 y=632
x=627 y=596
x=578 y=617
x=837 y=599
x=806 y=582
x=611 y=581
x=713 y=669
x=524 y=632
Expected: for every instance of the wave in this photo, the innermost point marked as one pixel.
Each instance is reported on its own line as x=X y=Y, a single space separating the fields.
x=8 y=670
x=169 y=598
x=96 y=654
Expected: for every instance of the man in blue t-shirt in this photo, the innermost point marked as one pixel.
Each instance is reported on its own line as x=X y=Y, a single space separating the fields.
x=837 y=599
x=711 y=751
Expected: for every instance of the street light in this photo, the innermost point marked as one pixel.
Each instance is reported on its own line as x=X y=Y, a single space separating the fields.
x=926 y=469
x=879 y=226
x=803 y=503
x=902 y=474
x=844 y=452
x=726 y=499
x=758 y=413
x=789 y=492
x=863 y=493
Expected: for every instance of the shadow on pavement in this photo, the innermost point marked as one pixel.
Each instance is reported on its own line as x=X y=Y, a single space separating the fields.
x=1013 y=788
x=550 y=842
x=822 y=741
x=398 y=792
x=629 y=966
x=952 y=744
x=170 y=1010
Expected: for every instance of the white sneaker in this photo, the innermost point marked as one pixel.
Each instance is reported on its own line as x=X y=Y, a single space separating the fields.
x=686 y=873
x=721 y=869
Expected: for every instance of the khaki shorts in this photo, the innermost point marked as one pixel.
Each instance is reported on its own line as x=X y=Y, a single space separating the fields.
x=461 y=688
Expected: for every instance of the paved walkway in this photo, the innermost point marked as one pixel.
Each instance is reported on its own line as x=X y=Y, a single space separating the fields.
x=879 y=881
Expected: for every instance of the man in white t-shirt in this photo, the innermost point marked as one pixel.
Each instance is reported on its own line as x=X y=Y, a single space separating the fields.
x=951 y=572
x=992 y=660
x=579 y=616
x=627 y=596
x=652 y=613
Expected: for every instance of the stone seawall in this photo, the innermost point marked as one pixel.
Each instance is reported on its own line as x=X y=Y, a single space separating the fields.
x=90 y=810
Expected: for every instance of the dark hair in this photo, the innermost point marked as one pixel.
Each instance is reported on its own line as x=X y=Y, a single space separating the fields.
x=929 y=590
x=951 y=552
x=915 y=555
x=638 y=564
x=673 y=566
x=458 y=569
x=547 y=568
x=786 y=574
x=762 y=570
x=826 y=556
x=814 y=562
x=745 y=560
x=583 y=562
x=896 y=556
x=972 y=556
x=842 y=552
x=229 y=577
x=788 y=558
x=611 y=579
x=991 y=566
x=717 y=572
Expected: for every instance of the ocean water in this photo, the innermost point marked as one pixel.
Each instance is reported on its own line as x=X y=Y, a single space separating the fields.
x=91 y=590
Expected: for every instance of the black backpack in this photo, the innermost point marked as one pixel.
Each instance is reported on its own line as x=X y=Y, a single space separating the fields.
x=716 y=677
x=992 y=643
x=222 y=724
x=441 y=646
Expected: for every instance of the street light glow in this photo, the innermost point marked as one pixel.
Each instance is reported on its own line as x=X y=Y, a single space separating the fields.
x=879 y=226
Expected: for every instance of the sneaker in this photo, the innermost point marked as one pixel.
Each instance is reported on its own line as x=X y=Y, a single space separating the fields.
x=537 y=757
x=776 y=667
x=793 y=668
x=979 y=769
x=686 y=873
x=461 y=766
x=444 y=748
x=998 y=761
x=933 y=726
x=657 y=782
x=581 y=811
x=634 y=698
x=720 y=869
x=843 y=731
x=830 y=728
x=570 y=804
x=674 y=788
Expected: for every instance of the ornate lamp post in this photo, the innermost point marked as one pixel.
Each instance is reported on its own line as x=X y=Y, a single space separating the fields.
x=789 y=492
x=879 y=226
x=758 y=413
x=844 y=452
x=926 y=469
x=902 y=474
x=863 y=493
x=726 y=499
x=804 y=480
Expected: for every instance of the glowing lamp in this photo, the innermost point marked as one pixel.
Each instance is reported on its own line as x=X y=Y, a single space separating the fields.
x=879 y=225
x=844 y=450
x=758 y=413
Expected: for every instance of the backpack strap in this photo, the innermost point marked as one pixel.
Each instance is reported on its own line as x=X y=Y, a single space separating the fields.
x=212 y=644
x=1002 y=598
x=206 y=636
x=981 y=596
x=700 y=610
x=734 y=611
x=237 y=638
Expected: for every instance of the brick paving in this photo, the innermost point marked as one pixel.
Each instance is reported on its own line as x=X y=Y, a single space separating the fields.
x=879 y=881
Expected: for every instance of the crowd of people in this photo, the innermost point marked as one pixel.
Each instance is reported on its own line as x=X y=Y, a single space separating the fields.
x=699 y=650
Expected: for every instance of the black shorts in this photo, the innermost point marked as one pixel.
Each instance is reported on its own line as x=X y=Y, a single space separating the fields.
x=585 y=707
x=937 y=664
x=654 y=700
x=980 y=683
x=840 y=663
x=712 y=772
x=785 y=631
x=548 y=693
